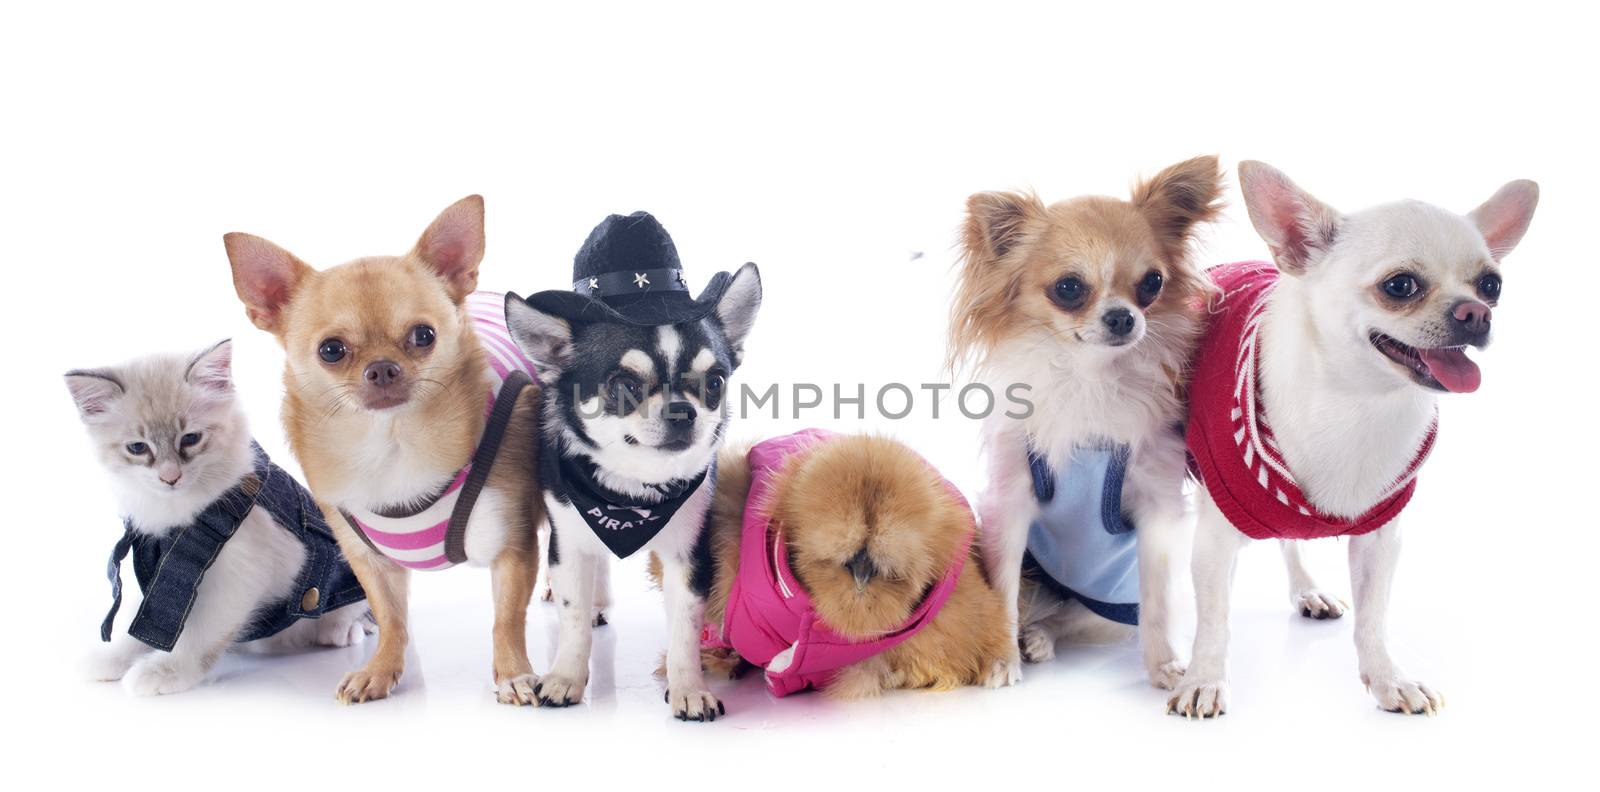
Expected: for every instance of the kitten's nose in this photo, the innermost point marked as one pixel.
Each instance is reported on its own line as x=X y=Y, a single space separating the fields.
x=382 y=373
x=1119 y=321
x=170 y=478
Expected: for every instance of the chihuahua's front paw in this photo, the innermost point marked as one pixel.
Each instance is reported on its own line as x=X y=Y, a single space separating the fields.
x=1318 y=604
x=1166 y=675
x=1004 y=672
x=1037 y=644
x=559 y=690
x=368 y=684
x=159 y=676
x=1199 y=698
x=692 y=704
x=517 y=690
x=1405 y=696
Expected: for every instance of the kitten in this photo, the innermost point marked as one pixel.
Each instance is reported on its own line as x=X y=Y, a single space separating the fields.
x=171 y=435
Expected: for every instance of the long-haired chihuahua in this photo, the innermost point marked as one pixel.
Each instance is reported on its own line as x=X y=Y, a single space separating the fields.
x=1093 y=306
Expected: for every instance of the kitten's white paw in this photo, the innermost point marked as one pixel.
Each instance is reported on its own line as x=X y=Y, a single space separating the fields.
x=1319 y=604
x=559 y=690
x=1004 y=672
x=1166 y=675
x=343 y=632
x=107 y=664
x=160 y=676
x=1199 y=698
x=1406 y=696
x=518 y=690
x=691 y=704
x=1038 y=645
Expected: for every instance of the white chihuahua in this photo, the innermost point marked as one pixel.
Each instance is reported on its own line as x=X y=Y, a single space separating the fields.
x=1351 y=349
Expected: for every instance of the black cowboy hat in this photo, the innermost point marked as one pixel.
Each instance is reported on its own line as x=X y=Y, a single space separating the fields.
x=627 y=272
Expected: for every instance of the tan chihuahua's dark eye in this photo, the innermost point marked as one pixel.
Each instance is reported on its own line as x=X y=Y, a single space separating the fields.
x=422 y=336
x=1489 y=286
x=1070 y=292
x=332 y=350
x=1403 y=286
x=1150 y=288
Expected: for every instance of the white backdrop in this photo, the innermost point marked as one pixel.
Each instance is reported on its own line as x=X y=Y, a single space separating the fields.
x=831 y=145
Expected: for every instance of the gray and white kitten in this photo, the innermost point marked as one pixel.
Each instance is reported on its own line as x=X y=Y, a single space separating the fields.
x=169 y=431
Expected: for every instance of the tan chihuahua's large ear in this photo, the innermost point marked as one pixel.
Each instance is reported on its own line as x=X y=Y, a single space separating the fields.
x=1504 y=218
x=1178 y=199
x=265 y=276
x=996 y=222
x=1297 y=227
x=453 y=245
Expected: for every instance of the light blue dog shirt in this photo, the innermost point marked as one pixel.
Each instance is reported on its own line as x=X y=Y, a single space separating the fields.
x=1082 y=542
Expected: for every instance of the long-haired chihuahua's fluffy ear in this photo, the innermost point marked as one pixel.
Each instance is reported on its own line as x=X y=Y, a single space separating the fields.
x=544 y=338
x=737 y=308
x=1177 y=200
x=1504 y=218
x=1297 y=227
x=453 y=245
x=265 y=277
x=93 y=390
x=989 y=277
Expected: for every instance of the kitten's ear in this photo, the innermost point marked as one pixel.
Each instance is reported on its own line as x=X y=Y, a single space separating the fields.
x=1504 y=218
x=94 y=391
x=265 y=277
x=1297 y=227
x=544 y=338
x=213 y=368
x=1177 y=199
x=996 y=221
x=453 y=245
x=737 y=308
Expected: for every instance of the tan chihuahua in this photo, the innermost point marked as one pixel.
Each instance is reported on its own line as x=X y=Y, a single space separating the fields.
x=390 y=362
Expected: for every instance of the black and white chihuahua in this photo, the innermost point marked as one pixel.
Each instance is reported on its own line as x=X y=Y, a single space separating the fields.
x=632 y=420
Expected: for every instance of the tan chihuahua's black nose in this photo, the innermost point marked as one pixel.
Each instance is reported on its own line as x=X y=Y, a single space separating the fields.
x=1119 y=321
x=382 y=373
x=862 y=569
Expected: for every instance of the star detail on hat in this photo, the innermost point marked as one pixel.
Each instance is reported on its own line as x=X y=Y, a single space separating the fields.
x=641 y=280
x=594 y=284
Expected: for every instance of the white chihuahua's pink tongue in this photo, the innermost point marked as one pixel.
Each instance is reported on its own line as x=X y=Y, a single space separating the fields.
x=1452 y=368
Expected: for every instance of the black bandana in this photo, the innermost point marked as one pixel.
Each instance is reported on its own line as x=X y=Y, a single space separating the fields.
x=623 y=523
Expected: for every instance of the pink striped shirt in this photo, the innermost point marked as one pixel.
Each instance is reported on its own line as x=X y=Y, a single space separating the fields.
x=430 y=535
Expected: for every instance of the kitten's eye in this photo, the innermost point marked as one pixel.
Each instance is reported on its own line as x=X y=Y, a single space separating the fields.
x=422 y=336
x=332 y=350
x=138 y=449
x=1403 y=286
x=1150 y=288
x=1489 y=286
x=1070 y=291
x=189 y=440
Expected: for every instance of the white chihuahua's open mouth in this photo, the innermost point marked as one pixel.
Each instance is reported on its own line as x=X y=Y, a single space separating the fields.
x=1439 y=368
